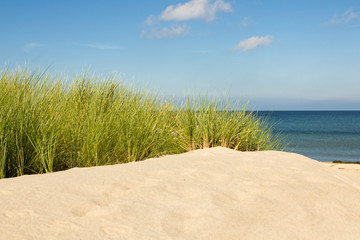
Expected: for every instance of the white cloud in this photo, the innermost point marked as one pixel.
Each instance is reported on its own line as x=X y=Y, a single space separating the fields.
x=253 y=43
x=173 y=31
x=202 y=51
x=102 y=46
x=245 y=22
x=32 y=45
x=195 y=9
x=150 y=20
x=344 y=18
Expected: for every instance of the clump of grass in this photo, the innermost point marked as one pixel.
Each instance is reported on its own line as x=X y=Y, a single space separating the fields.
x=205 y=122
x=345 y=162
x=48 y=126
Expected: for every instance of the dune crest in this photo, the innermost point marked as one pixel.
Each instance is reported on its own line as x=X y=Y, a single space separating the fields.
x=214 y=193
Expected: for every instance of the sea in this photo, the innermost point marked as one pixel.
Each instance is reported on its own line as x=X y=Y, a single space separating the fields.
x=321 y=135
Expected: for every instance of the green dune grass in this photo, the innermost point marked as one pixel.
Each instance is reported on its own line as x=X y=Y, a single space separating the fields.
x=47 y=126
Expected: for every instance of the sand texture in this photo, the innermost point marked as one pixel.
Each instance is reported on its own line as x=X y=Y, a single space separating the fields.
x=205 y=194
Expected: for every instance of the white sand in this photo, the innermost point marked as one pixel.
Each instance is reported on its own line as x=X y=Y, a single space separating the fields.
x=206 y=194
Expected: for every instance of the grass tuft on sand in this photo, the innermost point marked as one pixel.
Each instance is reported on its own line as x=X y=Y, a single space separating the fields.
x=47 y=126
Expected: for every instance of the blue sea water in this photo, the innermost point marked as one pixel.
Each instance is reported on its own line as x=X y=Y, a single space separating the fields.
x=320 y=135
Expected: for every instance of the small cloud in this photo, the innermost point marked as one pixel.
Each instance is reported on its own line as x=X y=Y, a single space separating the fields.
x=195 y=9
x=32 y=45
x=102 y=46
x=346 y=17
x=253 y=43
x=173 y=31
x=150 y=20
x=246 y=21
x=202 y=51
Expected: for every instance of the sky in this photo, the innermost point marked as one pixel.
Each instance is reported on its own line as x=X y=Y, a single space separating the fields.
x=274 y=54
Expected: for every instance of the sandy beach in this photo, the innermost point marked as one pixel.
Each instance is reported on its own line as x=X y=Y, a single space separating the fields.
x=214 y=193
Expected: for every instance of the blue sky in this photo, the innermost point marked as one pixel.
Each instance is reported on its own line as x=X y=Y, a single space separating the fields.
x=276 y=54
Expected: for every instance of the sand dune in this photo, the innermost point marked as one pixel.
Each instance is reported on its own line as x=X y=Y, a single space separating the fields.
x=205 y=194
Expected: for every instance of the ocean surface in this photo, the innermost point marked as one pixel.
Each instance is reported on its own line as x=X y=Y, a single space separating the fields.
x=320 y=135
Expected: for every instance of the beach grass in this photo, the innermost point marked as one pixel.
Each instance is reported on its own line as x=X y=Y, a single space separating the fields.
x=47 y=125
x=345 y=162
